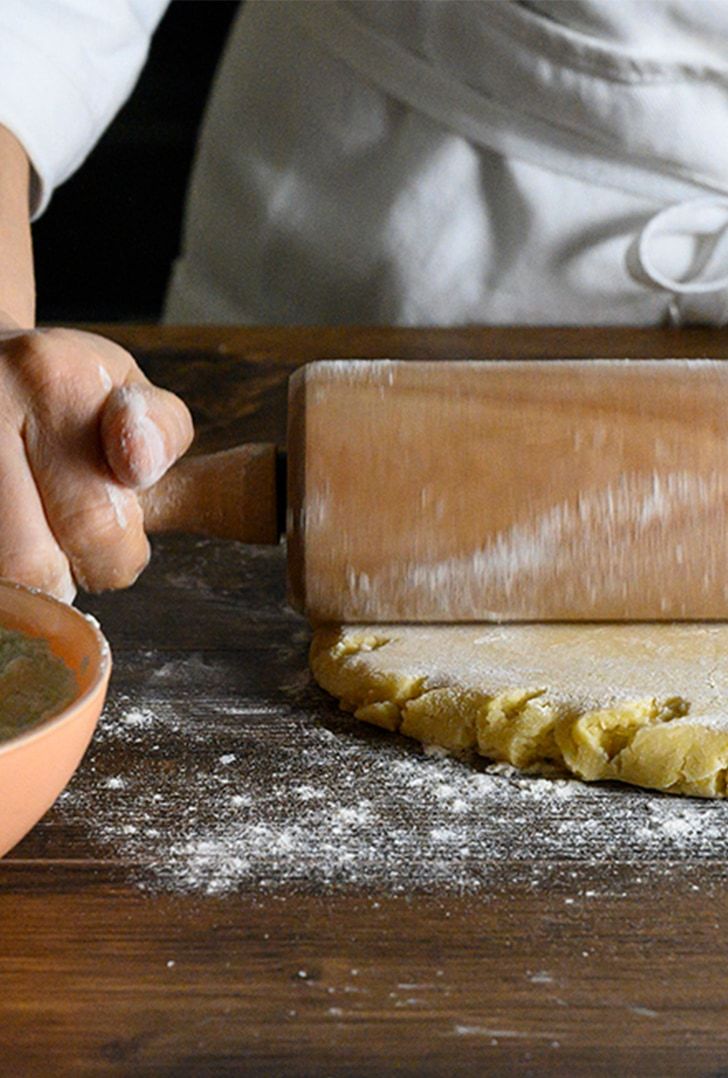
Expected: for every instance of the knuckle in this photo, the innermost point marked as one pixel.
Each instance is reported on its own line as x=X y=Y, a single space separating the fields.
x=35 y=347
x=37 y=363
x=51 y=367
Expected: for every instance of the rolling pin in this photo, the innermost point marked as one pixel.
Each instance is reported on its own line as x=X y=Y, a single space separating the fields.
x=533 y=490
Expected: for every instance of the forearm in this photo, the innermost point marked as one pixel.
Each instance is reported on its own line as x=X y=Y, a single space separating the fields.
x=17 y=282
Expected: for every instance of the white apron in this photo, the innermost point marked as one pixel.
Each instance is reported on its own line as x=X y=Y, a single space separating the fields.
x=446 y=162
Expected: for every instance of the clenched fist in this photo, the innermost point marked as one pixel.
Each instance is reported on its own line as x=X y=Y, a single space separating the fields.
x=81 y=431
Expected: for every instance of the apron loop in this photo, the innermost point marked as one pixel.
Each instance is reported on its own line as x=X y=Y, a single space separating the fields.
x=703 y=223
x=683 y=249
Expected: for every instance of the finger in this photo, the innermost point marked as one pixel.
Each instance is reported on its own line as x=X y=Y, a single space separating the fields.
x=29 y=553
x=96 y=521
x=144 y=430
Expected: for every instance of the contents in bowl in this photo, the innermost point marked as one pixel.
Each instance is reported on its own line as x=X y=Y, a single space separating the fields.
x=34 y=683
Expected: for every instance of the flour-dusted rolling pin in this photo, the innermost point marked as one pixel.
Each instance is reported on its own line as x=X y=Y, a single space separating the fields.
x=467 y=491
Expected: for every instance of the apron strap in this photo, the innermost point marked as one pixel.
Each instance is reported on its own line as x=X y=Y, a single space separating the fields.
x=483 y=120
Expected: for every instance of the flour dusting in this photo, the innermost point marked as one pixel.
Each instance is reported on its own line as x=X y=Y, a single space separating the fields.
x=330 y=806
x=141 y=428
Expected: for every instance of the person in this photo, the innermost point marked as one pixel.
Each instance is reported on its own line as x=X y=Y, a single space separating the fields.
x=417 y=162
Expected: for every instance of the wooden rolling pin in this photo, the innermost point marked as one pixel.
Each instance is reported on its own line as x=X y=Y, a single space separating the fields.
x=469 y=491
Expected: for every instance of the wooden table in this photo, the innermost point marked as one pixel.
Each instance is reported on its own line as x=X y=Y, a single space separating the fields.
x=566 y=958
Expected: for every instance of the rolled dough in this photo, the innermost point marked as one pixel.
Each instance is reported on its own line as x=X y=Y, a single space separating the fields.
x=641 y=703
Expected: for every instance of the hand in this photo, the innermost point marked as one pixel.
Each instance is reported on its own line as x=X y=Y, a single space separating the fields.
x=81 y=430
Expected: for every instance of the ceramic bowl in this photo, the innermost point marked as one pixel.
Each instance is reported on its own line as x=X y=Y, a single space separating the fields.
x=36 y=765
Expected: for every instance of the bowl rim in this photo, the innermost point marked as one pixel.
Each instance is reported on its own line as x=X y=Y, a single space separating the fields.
x=69 y=713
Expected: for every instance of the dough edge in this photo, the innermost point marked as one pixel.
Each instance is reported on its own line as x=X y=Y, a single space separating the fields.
x=635 y=742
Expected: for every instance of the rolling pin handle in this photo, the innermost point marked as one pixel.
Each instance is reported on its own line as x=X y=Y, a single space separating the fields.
x=235 y=494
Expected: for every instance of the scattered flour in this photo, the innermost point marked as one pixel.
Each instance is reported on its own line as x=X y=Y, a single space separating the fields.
x=329 y=805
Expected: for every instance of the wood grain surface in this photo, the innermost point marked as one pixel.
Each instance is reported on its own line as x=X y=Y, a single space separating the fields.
x=568 y=960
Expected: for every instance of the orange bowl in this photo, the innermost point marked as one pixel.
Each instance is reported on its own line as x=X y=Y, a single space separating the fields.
x=37 y=763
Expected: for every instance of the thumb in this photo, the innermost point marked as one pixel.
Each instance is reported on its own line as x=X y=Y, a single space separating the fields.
x=144 y=430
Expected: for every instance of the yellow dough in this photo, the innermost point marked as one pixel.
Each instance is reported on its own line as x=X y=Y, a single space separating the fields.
x=642 y=703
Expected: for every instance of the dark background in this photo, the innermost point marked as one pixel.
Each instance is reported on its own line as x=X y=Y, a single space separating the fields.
x=105 y=245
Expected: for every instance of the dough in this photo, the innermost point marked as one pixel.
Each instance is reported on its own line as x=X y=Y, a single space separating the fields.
x=641 y=703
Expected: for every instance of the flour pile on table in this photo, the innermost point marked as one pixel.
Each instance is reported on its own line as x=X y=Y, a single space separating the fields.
x=323 y=804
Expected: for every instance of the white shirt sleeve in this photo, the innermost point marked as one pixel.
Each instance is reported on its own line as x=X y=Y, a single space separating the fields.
x=66 y=67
